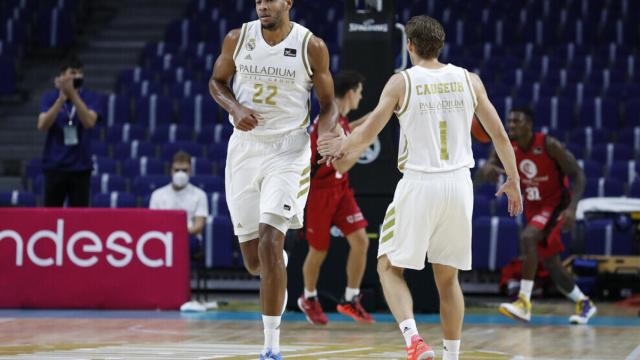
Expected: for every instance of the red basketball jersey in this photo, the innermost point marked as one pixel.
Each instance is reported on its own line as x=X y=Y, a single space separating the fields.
x=542 y=182
x=325 y=176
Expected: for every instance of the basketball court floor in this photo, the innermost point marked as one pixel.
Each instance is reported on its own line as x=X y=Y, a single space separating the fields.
x=65 y=334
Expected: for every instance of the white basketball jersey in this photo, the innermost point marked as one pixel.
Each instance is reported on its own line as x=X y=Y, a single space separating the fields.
x=435 y=119
x=275 y=80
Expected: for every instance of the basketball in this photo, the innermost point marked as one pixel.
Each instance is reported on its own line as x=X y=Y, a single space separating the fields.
x=478 y=132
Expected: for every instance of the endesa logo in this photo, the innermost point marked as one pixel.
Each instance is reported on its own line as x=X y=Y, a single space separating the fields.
x=119 y=247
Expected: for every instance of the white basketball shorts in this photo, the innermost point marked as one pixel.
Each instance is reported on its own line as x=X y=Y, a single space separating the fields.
x=267 y=175
x=430 y=216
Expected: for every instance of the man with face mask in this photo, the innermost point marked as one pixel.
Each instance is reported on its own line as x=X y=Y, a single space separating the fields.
x=67 y=115
x=180 y=195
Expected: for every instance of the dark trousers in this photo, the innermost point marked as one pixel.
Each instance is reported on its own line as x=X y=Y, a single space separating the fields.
x=73 y=186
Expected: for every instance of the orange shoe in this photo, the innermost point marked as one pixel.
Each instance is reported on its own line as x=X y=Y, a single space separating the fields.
x=354 y=310
x=419 y=350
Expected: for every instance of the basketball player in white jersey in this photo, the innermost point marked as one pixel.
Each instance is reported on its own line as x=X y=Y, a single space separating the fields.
x=432 y=205
x=273 y=63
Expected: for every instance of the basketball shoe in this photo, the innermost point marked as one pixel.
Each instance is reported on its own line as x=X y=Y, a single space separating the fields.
x=517 y=310
x=585 y=309
x=271 y=356
x=419 y=350
x=312 y=310
x=354 y=310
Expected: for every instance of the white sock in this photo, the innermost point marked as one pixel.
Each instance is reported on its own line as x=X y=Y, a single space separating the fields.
x=526 y=287
x=451 y=349
x=271 y=334
x=309 y=294
x=408 y=328
x=350 y=293
x=576 y=294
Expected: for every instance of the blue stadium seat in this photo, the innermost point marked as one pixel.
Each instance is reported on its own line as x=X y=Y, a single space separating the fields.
x=222 y=133
x=634 y=189
x=177 y=75
x=218 y=242
x=167 y=62
x=17 y=198
x=142 y=166
x=482 y=206
x=218 y=204
x=604 y=239
x=206 y=135
x=182 y=33
x=598 y=112
x=632 y=111
x=8 y=70
x=198 y=112
x=554 y=112
x=603 y=187
x=157 y=49
x=103 y=165
x=132 y=76
x=145 y=185
x=106 y=183
x=133 y=150
x=33 y=168
x=187 y=89
x=114 y=199
x=124 y=133
x=495 y=242
x=592 y=169
x=217 y=152
x=201 y=166
x=577 y=150
x=208 y=183
x=143 y=89
x=625 y=171
x=154 y=111
x=631 y=138
x=117 y=109
x=608 y=153
x=171 y=133
x=99 y=149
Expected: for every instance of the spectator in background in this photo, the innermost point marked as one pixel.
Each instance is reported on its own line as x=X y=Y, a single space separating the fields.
x=181 y=195
x=67 y=114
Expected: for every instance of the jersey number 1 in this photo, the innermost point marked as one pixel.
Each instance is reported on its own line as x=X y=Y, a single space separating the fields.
x=257 y=96
x=444 y=152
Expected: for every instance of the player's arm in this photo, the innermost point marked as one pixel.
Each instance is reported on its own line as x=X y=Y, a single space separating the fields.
x=323 y=83
x=354 y=124
x=490 y=120
x=365 y=134
x=568 y=166
x=220 y=85
x=345 y=163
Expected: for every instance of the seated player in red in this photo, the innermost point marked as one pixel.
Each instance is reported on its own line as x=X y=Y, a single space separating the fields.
x=332 y=202
x=550 y=203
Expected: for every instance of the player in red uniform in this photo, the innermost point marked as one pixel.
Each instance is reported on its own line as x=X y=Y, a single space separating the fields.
x=545 y=167
x=331 y=201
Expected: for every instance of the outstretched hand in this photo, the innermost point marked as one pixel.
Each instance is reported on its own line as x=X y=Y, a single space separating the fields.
x=511 y=188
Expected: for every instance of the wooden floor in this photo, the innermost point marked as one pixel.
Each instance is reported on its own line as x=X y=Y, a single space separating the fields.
x=238 y=335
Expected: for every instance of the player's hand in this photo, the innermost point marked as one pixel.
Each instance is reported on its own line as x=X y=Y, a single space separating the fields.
x=491 y=172
x=511 y=188
x=569 y=217
x=246 y=119
x=330 y=147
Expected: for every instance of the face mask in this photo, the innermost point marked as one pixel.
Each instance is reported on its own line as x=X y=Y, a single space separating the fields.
x=77 y=82
x=180 y=179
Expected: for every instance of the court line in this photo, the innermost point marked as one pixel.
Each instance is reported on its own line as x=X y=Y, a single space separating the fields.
x=635 y=354
x=330 y=352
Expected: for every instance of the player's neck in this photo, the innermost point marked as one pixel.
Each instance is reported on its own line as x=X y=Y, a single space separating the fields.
x=343 y=107
x=429 y=63
x=276 y=35
x=525 y=142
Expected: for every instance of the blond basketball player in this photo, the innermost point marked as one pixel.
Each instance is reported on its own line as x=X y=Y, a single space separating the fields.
x=431 y=209
x=273 y=63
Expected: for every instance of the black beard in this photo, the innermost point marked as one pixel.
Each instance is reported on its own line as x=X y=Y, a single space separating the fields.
x=269 y=26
